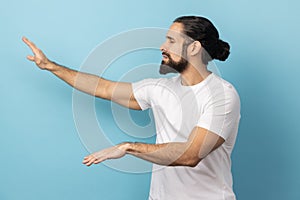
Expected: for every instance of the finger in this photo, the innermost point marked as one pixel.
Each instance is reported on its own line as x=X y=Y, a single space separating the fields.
x=29 y=43
x=89 y=157
x=90 y=162
x=31 y=58
x=86 y=159
x=87 y=163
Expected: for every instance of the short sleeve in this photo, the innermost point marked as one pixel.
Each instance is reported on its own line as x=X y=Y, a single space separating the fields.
x=142 y=92
x=222 y=114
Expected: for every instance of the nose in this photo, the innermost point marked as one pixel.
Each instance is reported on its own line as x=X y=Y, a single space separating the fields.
x=163 y=47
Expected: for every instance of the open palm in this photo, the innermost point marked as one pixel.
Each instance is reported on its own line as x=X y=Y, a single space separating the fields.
x=110 y=153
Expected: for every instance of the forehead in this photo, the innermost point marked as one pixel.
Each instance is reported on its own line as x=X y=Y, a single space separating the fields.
x=176 y=31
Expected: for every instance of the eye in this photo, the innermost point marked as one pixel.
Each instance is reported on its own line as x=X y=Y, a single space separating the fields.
x=172 y=41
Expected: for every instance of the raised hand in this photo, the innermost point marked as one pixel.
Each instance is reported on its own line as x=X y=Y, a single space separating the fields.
x=38 y=56
x=105 y=154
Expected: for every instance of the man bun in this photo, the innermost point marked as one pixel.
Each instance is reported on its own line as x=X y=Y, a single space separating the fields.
x=223 y=50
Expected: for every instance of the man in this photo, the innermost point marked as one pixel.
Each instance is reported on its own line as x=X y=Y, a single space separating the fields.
x=196 y=113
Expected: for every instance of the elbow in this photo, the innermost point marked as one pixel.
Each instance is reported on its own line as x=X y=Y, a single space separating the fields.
x=193 y=162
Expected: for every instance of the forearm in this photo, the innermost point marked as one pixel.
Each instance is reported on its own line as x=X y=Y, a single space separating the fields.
x=199 y=144
x=170 y=154
x=84 y=82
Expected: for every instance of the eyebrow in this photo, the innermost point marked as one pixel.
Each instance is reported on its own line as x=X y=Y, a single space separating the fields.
x=170 y=38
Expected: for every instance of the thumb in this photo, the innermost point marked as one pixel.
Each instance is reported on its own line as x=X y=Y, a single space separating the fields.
x=31 y=58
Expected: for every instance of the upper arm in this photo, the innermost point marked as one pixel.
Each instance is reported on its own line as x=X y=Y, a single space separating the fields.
x=218 y=122
x=119 y=92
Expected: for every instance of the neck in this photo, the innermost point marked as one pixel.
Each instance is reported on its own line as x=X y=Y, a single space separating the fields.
x=194 y=75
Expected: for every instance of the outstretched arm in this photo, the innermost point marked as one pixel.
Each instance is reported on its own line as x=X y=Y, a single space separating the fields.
x=119 y=92
x=199 y=144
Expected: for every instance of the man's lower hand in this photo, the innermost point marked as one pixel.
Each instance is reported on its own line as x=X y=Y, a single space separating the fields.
x=114 y=152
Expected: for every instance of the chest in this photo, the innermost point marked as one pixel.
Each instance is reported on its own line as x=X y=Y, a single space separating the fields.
x=178 y=110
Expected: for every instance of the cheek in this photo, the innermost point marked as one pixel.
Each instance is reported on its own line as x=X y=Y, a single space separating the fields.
x=175 y=53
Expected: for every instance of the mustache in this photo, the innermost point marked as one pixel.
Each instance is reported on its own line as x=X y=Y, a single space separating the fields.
x=165 y=54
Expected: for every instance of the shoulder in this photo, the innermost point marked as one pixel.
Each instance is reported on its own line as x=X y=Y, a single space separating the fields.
x=222 y=86
x=222 y=92
x=155 y=82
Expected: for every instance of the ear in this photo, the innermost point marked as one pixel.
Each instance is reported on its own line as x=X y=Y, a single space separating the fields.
x=195 y=48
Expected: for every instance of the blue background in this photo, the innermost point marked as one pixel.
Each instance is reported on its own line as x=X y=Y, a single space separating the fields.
x=40 y=151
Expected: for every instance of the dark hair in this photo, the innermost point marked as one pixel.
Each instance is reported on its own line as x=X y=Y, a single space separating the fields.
x=202 y=30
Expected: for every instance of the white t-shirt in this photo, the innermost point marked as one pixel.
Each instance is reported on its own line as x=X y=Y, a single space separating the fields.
x=212 y=104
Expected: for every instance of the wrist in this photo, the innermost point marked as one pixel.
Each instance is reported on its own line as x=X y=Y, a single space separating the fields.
x=125 y=146
x=51 y=66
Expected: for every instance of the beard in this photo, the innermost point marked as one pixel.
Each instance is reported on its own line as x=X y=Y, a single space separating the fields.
x=171 y=66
